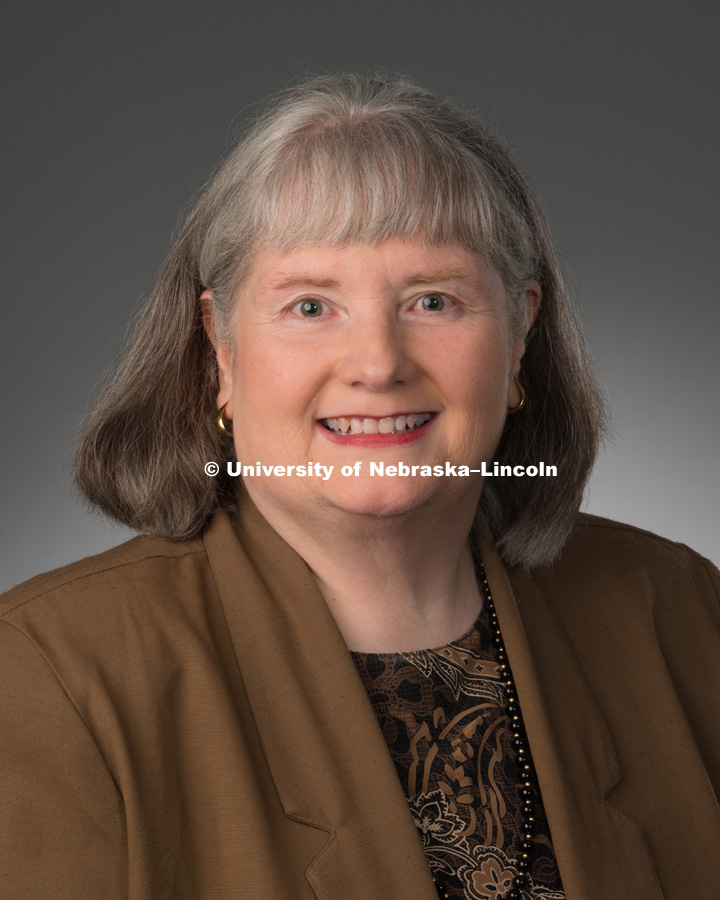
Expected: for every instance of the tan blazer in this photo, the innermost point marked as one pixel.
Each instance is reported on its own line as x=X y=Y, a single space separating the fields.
x=184 y=721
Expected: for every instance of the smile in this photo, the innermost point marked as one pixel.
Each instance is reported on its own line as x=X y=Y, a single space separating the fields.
x=403 y=424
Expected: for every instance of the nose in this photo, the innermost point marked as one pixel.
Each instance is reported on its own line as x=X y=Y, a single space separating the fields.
x=375 y=354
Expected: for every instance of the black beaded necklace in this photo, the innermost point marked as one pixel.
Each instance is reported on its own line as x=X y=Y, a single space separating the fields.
x=528 y=790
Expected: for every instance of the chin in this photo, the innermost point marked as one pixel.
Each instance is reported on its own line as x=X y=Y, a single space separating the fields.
x=381 y=499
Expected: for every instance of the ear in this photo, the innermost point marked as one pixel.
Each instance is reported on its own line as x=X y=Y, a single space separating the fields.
x=533 y=302
x=533 y=299
x=222 y=352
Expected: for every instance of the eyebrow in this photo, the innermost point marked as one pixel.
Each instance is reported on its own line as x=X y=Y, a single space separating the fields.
x=432 y=277
x=295 y=280
x=439 y=275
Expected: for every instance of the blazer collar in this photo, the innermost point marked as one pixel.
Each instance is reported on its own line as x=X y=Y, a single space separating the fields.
x=328 y=758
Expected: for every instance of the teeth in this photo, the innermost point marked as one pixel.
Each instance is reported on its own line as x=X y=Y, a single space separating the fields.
x=386 y=425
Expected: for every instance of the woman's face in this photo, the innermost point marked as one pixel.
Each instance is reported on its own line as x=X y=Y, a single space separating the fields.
x=390 y=353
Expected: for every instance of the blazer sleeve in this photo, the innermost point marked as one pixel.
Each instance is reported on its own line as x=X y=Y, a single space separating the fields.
x=61 y=814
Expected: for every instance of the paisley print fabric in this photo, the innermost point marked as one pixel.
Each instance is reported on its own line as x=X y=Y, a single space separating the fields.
x=442 y=712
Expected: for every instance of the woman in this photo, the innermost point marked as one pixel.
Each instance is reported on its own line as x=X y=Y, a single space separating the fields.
x=362 y=316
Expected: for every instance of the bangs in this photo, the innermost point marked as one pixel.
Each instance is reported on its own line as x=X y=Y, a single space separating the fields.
x=367 y=181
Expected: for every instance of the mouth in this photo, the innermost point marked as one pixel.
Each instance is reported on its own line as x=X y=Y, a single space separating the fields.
x=356 y=425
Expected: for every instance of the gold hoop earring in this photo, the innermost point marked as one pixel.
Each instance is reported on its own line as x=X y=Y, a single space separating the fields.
x=220 y=423
x=523 y=399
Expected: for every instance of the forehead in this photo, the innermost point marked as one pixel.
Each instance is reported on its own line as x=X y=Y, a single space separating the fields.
x=393 y=261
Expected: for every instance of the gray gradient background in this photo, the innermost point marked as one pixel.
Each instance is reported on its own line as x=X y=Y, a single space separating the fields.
x=114 y=116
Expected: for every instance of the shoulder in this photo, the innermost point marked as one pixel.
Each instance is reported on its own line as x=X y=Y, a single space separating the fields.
x=109 y=639
x=616 y=570
x=99 y=660
x=609 y=551
x=596 y=533
x=640 y=612
x=128 y=599
x=123 y=568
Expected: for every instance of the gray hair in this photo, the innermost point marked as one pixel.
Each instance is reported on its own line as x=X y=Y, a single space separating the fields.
x=336 y=160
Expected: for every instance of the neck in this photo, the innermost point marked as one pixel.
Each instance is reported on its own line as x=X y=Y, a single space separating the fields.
x=393 y=583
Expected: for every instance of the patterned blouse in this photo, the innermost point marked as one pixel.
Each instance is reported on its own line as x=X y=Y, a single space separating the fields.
x=442 y=712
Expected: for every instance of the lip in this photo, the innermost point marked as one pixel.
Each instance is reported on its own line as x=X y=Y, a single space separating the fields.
x=376 y=440
x=385 y=415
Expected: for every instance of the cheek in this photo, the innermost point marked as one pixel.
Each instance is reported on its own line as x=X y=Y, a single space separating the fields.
x=274 y=384
x=478 y=368
x=477 y=376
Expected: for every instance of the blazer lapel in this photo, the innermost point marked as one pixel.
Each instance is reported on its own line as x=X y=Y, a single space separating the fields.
x=322 y=743
x=574 y=756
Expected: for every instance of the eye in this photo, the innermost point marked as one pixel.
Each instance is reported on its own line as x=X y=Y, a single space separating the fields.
x=310 y=309
x=432 y=302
